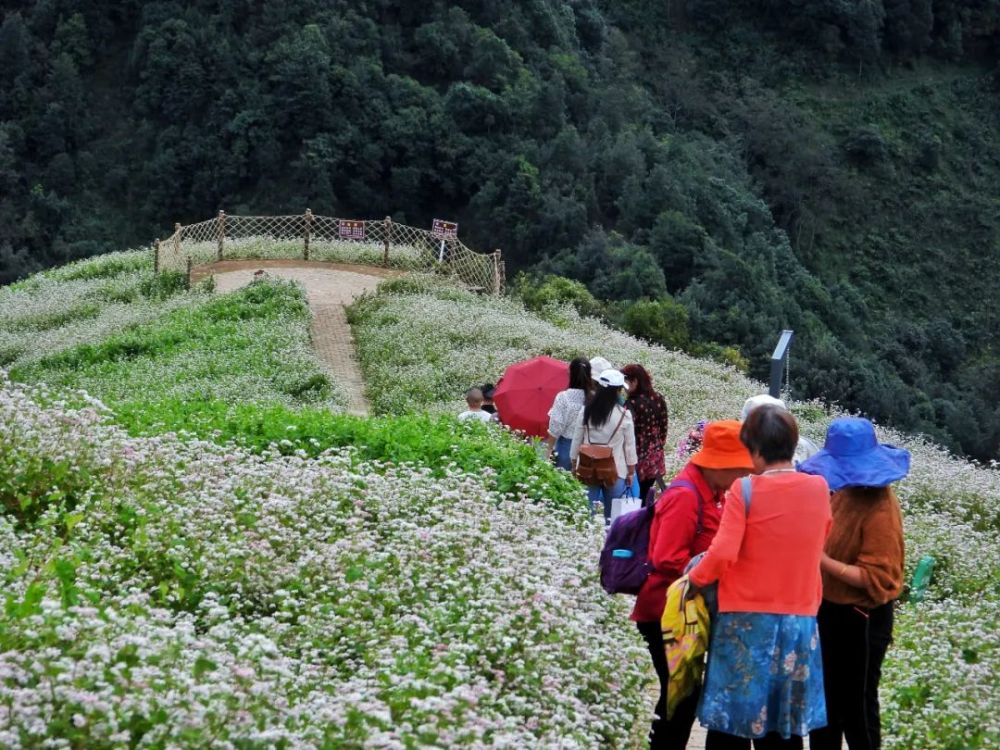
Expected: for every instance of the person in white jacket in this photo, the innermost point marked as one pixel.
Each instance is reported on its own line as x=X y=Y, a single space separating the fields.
x=604 y=421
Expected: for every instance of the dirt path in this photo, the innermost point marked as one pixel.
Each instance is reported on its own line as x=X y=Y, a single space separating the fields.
x=329 y=286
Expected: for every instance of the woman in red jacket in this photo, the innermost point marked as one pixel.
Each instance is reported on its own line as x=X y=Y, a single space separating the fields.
x=686 y=518
x=765 y=673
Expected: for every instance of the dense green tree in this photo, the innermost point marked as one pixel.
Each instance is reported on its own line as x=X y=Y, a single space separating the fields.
x=758 y=165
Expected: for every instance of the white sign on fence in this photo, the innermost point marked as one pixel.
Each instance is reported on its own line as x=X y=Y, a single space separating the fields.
x=444 y=230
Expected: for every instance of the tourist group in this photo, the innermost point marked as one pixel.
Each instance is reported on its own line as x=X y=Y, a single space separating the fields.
x=778 y=561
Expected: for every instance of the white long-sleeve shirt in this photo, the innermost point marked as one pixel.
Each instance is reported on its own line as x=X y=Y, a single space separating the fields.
x=622 y=442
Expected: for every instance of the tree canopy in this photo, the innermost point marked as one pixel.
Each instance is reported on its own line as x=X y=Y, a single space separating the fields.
x=824 y=166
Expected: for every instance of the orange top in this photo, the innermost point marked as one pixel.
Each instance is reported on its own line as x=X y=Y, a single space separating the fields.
x=769 y=561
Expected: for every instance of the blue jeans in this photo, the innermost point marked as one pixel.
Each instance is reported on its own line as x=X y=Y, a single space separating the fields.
x=562 y=453
x=598 y=492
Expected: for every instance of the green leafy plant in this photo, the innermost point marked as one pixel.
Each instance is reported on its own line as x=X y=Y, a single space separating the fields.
x=507 y=464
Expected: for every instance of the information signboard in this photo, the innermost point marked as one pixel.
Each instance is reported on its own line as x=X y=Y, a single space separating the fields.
x=444 y=230
x=351 y=230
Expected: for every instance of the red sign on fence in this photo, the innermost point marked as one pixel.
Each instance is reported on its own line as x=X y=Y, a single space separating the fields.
x=351 y=230
x=444 y=230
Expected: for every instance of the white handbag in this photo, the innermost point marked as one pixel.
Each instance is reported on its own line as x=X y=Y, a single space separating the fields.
x=627 y=503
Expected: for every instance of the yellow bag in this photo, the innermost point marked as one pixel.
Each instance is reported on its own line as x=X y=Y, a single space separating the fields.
x=685 y=625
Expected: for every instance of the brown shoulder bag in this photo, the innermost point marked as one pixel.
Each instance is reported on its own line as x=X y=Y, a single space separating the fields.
x=595 y=463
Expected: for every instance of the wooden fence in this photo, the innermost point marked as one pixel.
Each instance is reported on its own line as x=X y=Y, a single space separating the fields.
x=308 y=236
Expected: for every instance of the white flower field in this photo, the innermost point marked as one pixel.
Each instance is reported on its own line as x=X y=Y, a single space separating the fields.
x=165 y=591
x=199 y=596
x=423 y=345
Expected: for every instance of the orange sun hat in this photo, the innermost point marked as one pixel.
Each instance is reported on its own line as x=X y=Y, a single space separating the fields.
x=722 y=448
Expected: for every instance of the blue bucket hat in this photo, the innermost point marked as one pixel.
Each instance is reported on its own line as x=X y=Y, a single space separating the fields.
x=853 y=457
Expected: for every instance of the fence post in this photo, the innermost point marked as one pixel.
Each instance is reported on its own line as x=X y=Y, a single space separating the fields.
x=220 y=234
x=189 y=271
x=177 y=238
x=387 y=231
x=156 y=256
x=305 y=234
x=497 y=274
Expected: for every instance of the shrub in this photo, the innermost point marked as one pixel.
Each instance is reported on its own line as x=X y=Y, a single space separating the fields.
x=661 y=321
x=866 y=146
x=541 y=292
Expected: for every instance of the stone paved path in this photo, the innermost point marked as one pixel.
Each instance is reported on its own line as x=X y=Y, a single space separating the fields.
x=329 y=286
x=698 y=733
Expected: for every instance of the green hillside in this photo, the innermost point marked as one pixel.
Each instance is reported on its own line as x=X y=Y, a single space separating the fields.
x=207 y=555
x=742 y=166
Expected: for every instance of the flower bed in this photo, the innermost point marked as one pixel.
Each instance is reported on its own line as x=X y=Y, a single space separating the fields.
x=251 y=345
x=162 y=593
x=84 y=302
x=441 y=444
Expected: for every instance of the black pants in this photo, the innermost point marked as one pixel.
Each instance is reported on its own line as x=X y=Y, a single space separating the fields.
x=663 y=734
x=722 y=741
x=854 y=642
x=644 y=486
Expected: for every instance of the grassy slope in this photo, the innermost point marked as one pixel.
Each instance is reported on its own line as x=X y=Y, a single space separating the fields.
x=108 y=326
x=236 y=367
x=162 y=527
x=421 y=345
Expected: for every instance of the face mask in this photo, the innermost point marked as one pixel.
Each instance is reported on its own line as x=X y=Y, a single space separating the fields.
x=621 y=399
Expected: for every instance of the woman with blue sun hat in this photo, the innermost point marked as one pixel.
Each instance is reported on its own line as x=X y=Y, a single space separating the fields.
x=862 y=570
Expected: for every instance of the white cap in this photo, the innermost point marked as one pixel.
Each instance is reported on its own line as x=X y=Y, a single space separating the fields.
x=611 y=378
x=763 y=399
x=598 y=365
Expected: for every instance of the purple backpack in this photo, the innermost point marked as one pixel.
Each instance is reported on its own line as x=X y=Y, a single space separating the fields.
x=624 y=560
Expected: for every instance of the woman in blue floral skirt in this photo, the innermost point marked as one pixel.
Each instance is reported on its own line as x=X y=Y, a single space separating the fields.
x=764 y=681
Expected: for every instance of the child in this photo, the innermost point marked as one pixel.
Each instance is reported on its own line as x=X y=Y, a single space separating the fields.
x=488 y=391
x=474 y=398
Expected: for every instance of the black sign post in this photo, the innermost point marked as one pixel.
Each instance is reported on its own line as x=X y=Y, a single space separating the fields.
x=779 y=360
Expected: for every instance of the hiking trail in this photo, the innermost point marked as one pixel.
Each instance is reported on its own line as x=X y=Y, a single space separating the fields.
x=329 y=287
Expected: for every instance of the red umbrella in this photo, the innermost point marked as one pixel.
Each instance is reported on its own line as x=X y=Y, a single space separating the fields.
x=526 y=392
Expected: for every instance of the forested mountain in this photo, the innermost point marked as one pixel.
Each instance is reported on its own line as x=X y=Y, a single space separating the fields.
x=825 y=166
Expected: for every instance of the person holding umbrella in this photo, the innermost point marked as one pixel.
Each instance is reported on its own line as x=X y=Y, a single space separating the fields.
x=605 y=422
x=565 y=412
